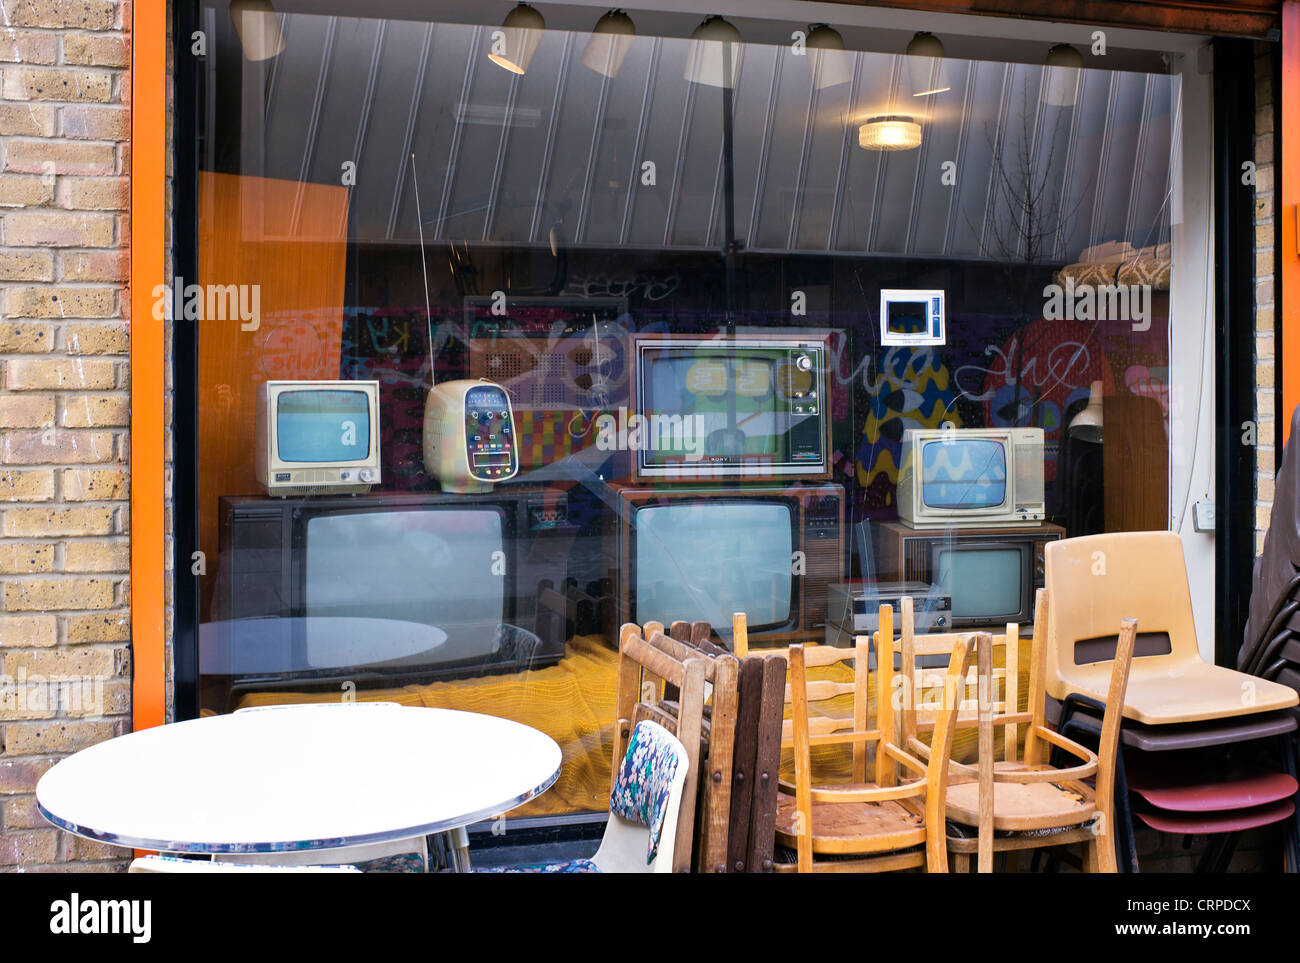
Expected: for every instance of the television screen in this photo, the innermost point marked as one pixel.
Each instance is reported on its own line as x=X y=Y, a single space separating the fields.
x=706 y=402
x=985 y=583
x=908 y=317
x=441 y=567
x=322 y=425
x=963 y=473
x=705 y=560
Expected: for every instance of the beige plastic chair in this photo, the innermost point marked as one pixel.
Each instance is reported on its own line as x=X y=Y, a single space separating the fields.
x=1095 y=582
x=173 y=864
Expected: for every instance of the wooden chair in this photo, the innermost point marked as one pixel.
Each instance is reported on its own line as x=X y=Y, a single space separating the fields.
x=887 y=824
x=717 y=731
x=1021 y=795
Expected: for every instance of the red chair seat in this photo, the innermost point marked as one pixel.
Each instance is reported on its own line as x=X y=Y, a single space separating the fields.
x=1204 y=783
x=1231 y=821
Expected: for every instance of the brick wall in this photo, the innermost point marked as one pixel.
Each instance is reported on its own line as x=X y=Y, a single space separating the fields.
x=1265 y=371
x=65 y=663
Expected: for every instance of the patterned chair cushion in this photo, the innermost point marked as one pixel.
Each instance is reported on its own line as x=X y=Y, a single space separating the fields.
x=567 y=866
x=644 y=782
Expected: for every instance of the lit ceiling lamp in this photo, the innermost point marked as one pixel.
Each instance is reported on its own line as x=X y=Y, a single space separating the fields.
x=890 y=133
x=513 y=45
x=715 y=46
x=610 y=41
x=258 y=27
x=1087 y=424
x=827 y=58
x=1063 y=72
x=924 y=58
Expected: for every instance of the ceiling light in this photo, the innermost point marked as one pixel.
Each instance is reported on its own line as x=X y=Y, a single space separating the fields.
x=515 y=42
x=714 y=58
x=924 y=58
x=1062 y=75
x=827 y=58
x=609 y=43
x=890 y=133
x=258 y=27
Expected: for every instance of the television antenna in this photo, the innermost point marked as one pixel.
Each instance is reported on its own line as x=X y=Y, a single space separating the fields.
x=419 y=223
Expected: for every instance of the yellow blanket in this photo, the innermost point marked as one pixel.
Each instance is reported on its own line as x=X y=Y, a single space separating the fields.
x=573 y=703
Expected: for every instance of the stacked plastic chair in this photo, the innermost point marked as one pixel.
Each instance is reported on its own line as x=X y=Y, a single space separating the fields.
x=1200 y=741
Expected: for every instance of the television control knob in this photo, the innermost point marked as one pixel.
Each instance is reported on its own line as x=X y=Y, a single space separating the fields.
x=367 y=474
x=803 y=362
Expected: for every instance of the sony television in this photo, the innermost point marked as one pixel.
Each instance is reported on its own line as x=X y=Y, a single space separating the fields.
x=705 y=553
x=745 y=406
x=971 y=476
x=388 y=587
x=317 y=437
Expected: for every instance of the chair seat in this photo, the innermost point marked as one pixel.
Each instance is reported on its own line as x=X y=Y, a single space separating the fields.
x=564 y=866
x=1178 y=691
x=1021 y=807
x=1234 y=820
x=849 y=828
x=1204 y=783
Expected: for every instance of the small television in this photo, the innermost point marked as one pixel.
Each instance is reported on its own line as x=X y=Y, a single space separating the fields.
x=971 y=476
x=317 y=437
x=703 y=554
x=990 y=580
x=292 y=571
x=911 y=317
x=747 y=406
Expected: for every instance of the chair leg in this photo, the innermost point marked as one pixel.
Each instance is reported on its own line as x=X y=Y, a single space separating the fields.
x=1092 y=857
x=960 y=862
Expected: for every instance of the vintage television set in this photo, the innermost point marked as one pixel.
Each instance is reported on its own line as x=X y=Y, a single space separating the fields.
x=703 y=553
x=989 y=573
x=971 y=476
x=744 y=406
x=317 y=437
x=469 y=566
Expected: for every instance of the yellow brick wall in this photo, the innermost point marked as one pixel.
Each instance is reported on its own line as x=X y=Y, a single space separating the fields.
x=1265 y=292
x=64 y=407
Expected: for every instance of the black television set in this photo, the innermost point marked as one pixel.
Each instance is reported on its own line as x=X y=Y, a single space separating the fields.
x=990 y=580
x=703 y=553
x=390 y=588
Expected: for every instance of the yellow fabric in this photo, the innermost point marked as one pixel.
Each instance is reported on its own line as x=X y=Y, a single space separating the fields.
x=573 y=702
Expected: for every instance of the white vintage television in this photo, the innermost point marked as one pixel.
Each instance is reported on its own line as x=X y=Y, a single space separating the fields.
x=971 y=476
x=317 y=437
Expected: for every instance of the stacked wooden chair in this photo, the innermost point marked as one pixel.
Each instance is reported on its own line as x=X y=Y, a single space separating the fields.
x=1010 y=800
x=1198 y=738
x=877 y=822
x=727 y=711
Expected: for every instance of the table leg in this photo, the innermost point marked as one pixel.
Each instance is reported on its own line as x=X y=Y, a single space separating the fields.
x=458 y=839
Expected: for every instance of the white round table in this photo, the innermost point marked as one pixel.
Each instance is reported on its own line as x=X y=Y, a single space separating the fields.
x=289 y=779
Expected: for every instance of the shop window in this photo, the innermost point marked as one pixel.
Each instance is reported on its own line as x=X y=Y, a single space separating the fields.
x=506 y=340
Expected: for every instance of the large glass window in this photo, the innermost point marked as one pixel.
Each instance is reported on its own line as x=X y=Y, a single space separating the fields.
x=510 y=336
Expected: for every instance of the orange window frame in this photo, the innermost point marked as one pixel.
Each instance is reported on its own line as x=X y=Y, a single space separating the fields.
x=147 y=463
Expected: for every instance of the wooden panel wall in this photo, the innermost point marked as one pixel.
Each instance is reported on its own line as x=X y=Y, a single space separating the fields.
x=290 y=239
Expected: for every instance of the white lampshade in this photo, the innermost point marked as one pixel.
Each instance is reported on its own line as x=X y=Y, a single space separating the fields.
x=1063 y=72
x=830 y=63
x=1087 y=424
x=258 y=27
x=890 y=133
x=712 y=44
x=513 y=45
x=924 y=58
x=610 y=41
